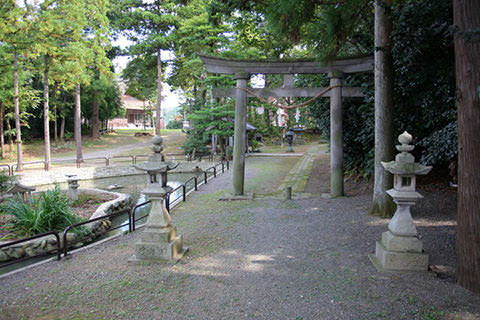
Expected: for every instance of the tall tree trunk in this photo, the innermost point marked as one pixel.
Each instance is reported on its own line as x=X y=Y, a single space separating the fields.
x=382 y=204
x=466 y=14
x=221 y=141
x=55 y=89
x=95 y=120
x=17 y=113
x=10 y=140
x=62 y=129
x=77 y=122
x=62 y=123
x=2 y=141
x=46 y=116
x=159 y=93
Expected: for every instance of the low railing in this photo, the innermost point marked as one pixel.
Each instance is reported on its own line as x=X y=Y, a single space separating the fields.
x=106 y=159
x=132 y=218
x=58 y=250
x=139 y=156
x=130 y=158
x=107 y=216
x=12 y=167
x=8 y=167
x=25 y=164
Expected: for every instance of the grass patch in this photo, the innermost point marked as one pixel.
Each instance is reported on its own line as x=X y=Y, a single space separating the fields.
x=85 y=198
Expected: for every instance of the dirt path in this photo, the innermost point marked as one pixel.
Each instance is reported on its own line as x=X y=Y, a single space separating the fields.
x=173 y=137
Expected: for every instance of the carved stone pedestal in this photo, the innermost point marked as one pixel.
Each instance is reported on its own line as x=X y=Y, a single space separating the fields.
x=159 y=239
x=397 y=253
x=159 y=245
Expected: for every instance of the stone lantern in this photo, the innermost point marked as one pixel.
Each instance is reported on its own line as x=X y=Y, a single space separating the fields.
x=73 y=185
x=289 y=135
x=159 y=240
x=400 y=249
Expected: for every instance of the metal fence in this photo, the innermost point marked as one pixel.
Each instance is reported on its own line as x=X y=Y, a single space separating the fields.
x=133 y=159
x=132 y=218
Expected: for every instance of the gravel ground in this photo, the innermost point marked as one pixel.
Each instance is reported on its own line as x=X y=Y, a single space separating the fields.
x=257 y=259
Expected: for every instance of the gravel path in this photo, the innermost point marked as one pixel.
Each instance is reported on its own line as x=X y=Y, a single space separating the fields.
x=258 y=259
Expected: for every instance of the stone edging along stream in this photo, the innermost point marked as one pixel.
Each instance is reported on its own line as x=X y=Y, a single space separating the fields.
x=48 y=243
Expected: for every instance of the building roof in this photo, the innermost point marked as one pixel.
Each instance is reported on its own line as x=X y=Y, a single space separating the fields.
x=132 y=103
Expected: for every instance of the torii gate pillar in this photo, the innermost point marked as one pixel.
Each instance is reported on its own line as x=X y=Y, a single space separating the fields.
x=240 y=133
x=242 y=69
x=336 y=134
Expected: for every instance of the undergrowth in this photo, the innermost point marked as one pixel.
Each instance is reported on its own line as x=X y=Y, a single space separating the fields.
x=51 y=211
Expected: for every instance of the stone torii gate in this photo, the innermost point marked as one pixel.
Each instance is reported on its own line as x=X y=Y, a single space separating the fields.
x=242 y=69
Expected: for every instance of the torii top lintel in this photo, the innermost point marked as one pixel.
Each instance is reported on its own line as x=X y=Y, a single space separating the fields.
x=233 y=66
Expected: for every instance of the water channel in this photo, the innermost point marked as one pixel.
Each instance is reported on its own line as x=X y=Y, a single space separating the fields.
x=133 y=185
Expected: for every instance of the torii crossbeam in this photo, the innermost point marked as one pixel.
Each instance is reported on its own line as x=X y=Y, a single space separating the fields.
x=242 y=69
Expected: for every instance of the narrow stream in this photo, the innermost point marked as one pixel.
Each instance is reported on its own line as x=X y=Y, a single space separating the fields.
x=132 y=185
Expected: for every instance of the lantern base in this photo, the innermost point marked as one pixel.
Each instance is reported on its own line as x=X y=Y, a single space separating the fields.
x=159 y=245
x=388 y=260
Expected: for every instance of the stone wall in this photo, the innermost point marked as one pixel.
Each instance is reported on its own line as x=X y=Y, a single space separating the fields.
x=49 y=243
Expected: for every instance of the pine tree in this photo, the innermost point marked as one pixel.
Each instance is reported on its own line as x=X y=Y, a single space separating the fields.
x=149 y=25
x=15 y=27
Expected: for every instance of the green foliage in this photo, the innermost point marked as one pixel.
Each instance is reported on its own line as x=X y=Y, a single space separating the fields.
x=50 y=211
x=197 y=143
x=70 y=34
x=85 y=197
x=148 y=24
x=214 y=119
x=424 y=90
x=108 y=98
x=423 y=56
x=195 y=33
x=140 y=74
x=4 y=182
x=175 y=124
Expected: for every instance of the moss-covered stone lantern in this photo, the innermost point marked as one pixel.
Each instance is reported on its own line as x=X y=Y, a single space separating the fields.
x=400 y=249
x=289 y=135
x=159 y=239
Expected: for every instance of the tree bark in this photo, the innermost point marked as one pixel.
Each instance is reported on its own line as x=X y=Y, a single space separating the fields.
x=55 y=89
x=159 y=93
x=77 y=121
x=62 y=129
x=17 y=113
x=62 y=123
x=2 y=141
x=382 y=204
x=10 y=140
x=466 y=15
x=46 y=116
x=95 y=117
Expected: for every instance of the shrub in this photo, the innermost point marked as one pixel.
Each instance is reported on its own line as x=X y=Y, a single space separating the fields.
x=49 y=212
x=5 y=182
x=424 y=94
x=175 y=124
x=196 y=142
